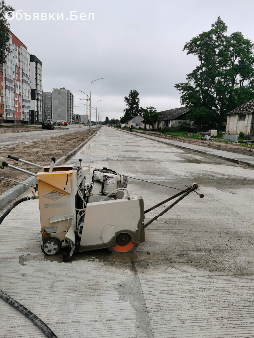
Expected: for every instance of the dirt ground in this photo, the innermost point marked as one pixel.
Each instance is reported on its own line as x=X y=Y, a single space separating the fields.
x=232 y=147
x=39 y=152
x=17 y=128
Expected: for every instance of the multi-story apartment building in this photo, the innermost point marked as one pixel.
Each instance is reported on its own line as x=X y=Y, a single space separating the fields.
x=47 y=106
x=18 y=75
x=36 y=88
x=62 y=105
x=15 y=83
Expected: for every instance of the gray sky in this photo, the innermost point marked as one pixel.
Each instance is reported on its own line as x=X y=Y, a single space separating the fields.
x=134 y=44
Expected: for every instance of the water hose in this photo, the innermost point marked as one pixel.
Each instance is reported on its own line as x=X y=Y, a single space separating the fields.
x=34 y=319
x=6 y=213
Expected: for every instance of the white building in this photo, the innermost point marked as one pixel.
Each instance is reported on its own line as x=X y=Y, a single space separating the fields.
x=62 y=105
x=136 y=122
x=241 y=119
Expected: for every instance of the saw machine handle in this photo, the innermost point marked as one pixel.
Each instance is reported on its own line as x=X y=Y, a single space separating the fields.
x=13 y=157
x=183 y=194
x=5 y=164
x=24 y=161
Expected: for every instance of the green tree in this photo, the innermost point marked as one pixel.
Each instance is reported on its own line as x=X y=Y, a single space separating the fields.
x=132 y=103
x=114 y=122
x=149 y=115
x=223 y=79
x=5 y=11
x=106 y=120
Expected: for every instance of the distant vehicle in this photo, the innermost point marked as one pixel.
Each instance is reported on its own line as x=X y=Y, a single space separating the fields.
x=62 y=123
x=48 y=125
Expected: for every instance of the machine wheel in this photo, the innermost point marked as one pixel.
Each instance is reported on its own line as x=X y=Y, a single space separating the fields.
x=124 y=243
x=51 y=246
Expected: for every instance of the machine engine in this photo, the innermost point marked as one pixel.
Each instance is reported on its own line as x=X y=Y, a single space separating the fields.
x=107 y=184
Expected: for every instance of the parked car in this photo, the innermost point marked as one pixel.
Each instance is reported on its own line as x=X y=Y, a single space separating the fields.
x=48 y=125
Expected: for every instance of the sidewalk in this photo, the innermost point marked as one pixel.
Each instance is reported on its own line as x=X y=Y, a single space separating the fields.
x=226 y=155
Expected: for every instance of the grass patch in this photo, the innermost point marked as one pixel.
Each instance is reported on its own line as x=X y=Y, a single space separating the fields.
x=181 y=134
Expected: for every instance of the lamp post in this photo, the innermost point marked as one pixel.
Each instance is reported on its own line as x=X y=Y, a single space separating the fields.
x=101 y=78
x=97 y=120
x=87 y=100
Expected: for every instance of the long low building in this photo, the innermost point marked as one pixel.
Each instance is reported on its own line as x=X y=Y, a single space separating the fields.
x=172 y=117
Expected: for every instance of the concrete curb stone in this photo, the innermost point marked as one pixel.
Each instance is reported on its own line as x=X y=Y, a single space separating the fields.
x=14 y=192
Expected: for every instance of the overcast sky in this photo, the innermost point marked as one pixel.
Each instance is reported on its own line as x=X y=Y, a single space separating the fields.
x=135 y=44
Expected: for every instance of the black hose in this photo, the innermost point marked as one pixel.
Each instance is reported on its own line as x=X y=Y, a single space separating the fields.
x=6 y=213
x=35 y=320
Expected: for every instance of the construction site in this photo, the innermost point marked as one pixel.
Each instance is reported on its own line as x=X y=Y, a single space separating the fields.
x=132 y=235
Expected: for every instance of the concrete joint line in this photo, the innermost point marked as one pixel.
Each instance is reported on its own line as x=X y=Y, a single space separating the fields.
x=14 y=192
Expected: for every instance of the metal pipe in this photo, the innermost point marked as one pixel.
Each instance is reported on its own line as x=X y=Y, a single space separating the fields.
x=24 y=161
x=170 y=206
x=167 y=200
x=4 y=164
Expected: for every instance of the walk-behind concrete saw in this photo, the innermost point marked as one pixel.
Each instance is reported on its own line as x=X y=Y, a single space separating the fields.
x=81 y=216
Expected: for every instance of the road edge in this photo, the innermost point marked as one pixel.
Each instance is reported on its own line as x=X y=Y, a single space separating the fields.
x=232 y=160
x=19 y=189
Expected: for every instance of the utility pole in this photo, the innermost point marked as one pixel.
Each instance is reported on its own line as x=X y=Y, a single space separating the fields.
x=101 y=78
x=90 y=124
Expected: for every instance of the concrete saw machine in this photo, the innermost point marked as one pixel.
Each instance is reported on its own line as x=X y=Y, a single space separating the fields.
x=78 y=216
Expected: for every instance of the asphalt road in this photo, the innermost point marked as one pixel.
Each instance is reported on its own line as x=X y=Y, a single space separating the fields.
x=10 y=139
x=193 y=277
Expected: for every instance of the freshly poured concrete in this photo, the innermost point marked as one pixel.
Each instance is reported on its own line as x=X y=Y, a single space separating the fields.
x=192 y=278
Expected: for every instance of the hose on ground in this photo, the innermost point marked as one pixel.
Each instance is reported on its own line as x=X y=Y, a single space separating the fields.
x=6 y=213
x=34 y=319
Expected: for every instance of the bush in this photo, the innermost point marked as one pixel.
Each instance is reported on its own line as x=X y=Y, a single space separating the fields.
x=242 y=136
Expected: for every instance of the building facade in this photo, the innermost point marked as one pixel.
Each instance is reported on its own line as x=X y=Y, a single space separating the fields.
x=20 y=85
x=172 y=118
x=15 y=84
x=47 y=106
x=62 y=105
x=36 y=89
x=241 y=119
x=84 y=119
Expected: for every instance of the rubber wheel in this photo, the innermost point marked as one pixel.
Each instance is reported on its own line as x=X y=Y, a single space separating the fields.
x=124 y=243
x=51 y=246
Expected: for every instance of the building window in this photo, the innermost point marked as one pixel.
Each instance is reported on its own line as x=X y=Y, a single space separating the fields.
x=241 y=117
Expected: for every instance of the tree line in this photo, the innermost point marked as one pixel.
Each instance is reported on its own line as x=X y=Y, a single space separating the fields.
x=222 y=81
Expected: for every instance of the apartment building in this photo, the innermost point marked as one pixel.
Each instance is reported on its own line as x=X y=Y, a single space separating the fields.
x=36 y=89
x=62 y=105
x=15 y=83
x=20 y=85
x=47 y=106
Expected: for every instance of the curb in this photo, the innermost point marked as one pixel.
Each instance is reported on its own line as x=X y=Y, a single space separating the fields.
x=14 y=192
x=229 y=159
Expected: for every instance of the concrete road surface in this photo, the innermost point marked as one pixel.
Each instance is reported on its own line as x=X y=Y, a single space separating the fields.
x=193 y=277
x=10 y=139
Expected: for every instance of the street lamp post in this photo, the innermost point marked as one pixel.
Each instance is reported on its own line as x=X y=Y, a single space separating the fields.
x=87 y=100
x=101 y=78
x=97 y=114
